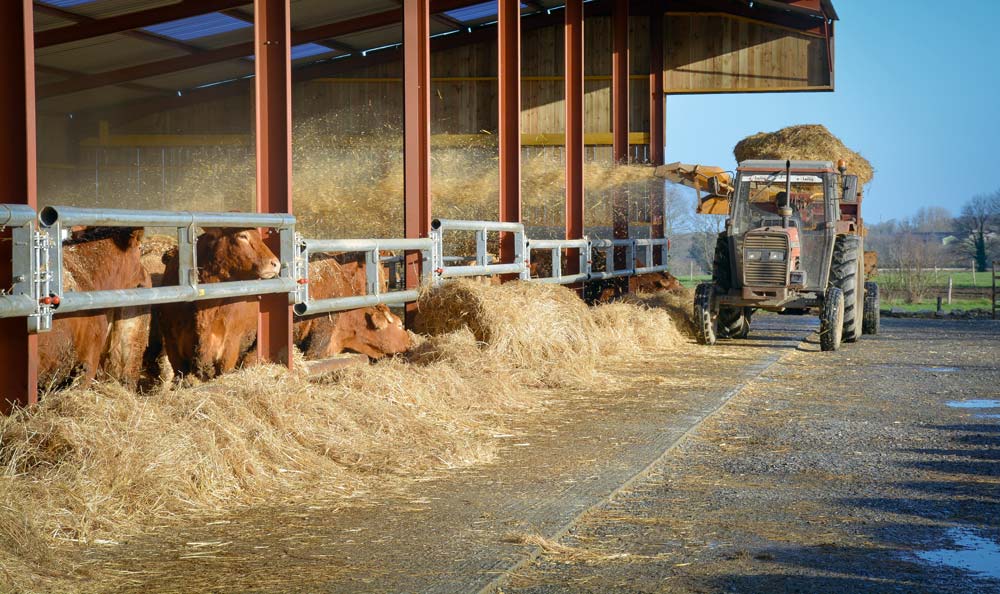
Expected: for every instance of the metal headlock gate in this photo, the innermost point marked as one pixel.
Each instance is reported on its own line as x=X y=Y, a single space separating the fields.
x=37 y=261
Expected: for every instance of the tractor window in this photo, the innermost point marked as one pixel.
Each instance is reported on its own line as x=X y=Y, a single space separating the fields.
x=760 y=196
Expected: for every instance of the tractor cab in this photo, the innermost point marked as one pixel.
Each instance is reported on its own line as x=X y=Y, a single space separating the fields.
x=780 y=236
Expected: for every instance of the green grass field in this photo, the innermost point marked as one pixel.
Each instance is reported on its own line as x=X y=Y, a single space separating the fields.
x=960 y=278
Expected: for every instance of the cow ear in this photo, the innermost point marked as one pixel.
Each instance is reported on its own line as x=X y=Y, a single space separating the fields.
x=135 y=238
x=376 y=320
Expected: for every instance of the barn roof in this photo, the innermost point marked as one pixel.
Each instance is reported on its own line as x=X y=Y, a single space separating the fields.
x=93 y=54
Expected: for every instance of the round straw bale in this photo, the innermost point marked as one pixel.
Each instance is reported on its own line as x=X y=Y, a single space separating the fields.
x=806 y=142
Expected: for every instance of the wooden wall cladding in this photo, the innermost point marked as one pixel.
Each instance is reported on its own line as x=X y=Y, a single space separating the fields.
x=722 y=53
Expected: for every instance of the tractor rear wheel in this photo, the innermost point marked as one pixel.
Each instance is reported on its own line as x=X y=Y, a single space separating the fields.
x=870 y=322
x=847 y=274
x=831 y=320
x=706 y=317
x=722 y=269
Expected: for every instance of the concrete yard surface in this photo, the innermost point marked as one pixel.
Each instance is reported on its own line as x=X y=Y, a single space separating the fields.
x=873 y=469
x=760 y=465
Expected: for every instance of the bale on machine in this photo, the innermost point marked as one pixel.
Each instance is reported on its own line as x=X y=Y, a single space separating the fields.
x=794 y=238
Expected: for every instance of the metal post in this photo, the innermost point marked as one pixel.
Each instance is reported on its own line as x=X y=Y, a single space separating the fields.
x=620 y=83
x=416 y=134
x=509 y=74
x=272 y=33
x=573 y=67
x=18 y=349
x=657 y=121
x=657 y=223
x=620 y=126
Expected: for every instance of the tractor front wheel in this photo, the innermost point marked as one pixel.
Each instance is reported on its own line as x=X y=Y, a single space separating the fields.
x=831 y=320
x=706 y=317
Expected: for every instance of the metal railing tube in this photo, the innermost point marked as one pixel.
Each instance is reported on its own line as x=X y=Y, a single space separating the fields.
x=365 y=245
x=113 y=217
x=551 y=244
x=455 y=225
x=87 y=300
x=563 y=280
x=16 y=306
x=456 y=271
x=354 y=302
x=15 y=215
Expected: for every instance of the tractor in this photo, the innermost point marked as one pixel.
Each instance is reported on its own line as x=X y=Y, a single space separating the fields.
x=793 y=244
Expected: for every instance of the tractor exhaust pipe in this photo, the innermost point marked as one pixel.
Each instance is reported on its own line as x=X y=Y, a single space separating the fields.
x=785 y=210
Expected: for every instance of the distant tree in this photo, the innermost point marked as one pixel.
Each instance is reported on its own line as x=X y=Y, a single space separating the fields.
x=979 y=223
x=932 y=219
x=705 y=231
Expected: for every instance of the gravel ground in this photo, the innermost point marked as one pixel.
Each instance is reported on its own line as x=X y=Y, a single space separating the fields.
x=831 y=472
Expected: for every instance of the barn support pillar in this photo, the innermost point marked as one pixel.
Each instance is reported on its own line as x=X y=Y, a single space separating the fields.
x=509 y=74
x=573 y=75
x=18 y=348
x=620 y=125
x=416 y=133
x=272 y=36
x=657 y=117
x=656 y=91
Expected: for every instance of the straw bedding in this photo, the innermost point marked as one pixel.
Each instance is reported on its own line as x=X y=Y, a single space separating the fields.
x=93 y=465
x=806 y=142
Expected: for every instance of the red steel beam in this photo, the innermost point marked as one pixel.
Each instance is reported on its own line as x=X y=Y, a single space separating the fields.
x=620 y=120
x=656 y=92
x=416 y=133
x=18 y=349
x=509 y=98
x=132 y=20
x=573 y=66
x=620 y=82
x=272 y=36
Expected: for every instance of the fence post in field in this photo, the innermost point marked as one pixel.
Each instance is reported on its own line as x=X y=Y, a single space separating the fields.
x=949 y=288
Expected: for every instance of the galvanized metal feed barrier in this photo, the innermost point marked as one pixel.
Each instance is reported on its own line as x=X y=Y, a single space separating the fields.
x=37 y=261
x=372 y=248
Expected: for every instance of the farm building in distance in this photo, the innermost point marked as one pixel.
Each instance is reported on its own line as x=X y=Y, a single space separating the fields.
x=490 y=108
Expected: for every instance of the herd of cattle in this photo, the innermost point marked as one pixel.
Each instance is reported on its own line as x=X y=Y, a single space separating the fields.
x=204 y=339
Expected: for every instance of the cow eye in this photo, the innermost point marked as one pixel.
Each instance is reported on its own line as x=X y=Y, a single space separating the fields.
x=243 y=236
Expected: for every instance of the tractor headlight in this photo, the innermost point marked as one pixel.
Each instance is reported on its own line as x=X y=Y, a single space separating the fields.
x=776 y=256
x=755 y=255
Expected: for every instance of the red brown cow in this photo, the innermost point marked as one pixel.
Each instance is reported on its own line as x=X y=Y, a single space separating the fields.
x=211 y=337
x=371 y=331
x=111 y=341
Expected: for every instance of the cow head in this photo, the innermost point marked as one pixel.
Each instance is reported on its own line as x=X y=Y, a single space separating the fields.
x=375 y=331
x=109 y=257
x=227 y=254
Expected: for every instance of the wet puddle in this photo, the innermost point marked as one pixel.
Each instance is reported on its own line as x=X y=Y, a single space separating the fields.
x=974 y=403
x=986 y=416
x=941 y=369
x=970 y=553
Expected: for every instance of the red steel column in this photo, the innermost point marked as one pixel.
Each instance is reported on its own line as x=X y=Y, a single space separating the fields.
x=656 y=91
x=620 y=123
x=657 y=117
x=573 y=37
x=18 y=349
x=272 y=36
x=509 y=76
x=416 y=132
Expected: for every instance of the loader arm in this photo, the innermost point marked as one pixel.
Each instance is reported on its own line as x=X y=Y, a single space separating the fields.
x=715 y=182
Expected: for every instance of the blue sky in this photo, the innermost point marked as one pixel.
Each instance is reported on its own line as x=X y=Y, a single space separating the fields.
x=917 y=93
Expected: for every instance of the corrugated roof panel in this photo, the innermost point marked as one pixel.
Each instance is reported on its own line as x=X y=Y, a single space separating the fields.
x=198 y=26
x=66 y=3
x=307 y=50
x=474 y=12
